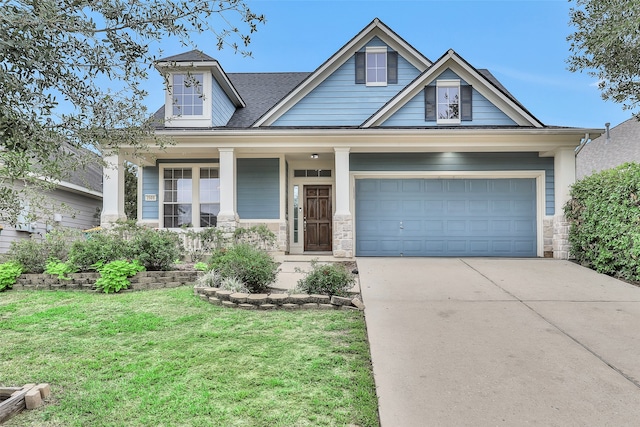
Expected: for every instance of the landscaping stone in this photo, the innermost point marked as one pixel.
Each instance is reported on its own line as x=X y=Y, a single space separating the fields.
x=204 y=297
x=278 y=299
x=257 y=299
x=290 y=306
x=229 y=304
x=299 y=298
x=357 y=303
x=309 y=306
x=246 y=306
x=215 y=301
x=326 y=307
x=33 y=399
x=267 y=307
x=210 y=292
x=223 y=295
x=320 y=299
x=45 y=390
x=238 y=298
x=335 y=300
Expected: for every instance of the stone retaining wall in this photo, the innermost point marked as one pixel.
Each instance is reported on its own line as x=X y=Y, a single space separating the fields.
x=276 y=301
x=144 y=280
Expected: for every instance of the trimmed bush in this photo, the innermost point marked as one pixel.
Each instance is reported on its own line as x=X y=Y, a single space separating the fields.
x=157 y=250
x=326 y=279
x=604 y=213
x=99 y=248
x=252 y=266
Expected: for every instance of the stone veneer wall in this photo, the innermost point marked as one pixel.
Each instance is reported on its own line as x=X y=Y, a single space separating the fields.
x=144 y=280
x=547 y=236
x=561 y=245
x=343 y=236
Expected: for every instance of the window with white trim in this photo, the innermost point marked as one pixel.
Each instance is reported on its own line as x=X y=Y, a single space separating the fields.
x=448 y=101
x=191 y=196
x=187 y=94
x=376 y=60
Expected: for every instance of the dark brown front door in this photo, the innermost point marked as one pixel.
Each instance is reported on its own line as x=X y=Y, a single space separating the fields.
x=317 y=217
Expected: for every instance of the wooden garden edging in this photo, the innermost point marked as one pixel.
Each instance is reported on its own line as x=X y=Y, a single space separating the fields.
x=29 y=396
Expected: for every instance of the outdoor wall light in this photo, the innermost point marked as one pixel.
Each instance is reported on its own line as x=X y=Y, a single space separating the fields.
x=314 y=156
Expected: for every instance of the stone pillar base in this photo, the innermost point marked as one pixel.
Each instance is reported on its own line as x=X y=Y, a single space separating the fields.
x=561 y=246
x=108 y=220
x=227 y=224
x=343 y=236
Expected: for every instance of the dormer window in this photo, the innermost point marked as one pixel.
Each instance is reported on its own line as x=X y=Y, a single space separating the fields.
x=448 y=101
x=187 y=93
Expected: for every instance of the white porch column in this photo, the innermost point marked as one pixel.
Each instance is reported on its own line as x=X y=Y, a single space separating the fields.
x=227 y=215
x=564 y=164
x=112 y=190
x=342 y=219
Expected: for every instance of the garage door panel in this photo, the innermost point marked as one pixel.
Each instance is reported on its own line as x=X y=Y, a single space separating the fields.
x=446 y=217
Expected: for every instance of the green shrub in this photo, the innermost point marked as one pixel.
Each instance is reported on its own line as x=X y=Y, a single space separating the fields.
x=114 y=276
x=155 y=249
x=253 y=266
x=201 y=266
x=9 y=273
x=604 y=214
x=100 y=247
x=59 y=268
x=326 y=279
x=29 y=253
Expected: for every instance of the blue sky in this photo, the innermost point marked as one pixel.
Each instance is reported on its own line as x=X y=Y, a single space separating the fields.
x=523 y=43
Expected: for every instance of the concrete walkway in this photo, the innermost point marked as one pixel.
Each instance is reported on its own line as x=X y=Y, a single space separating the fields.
x=488 y=342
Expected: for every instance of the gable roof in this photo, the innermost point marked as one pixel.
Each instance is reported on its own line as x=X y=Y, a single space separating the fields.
x=191 y=56
x=197 y=59
x=375 y=29
x=483 y=82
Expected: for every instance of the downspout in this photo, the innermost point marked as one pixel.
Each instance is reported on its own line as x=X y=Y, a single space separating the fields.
x=584 y=141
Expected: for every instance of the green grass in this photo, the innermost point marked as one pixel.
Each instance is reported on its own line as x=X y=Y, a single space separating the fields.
x=166 y=358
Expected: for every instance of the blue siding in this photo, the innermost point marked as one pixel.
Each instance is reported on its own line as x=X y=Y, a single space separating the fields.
x=339 y=101
x=484 y=112
x=458 y=162
x=150 y=185
x=223 y=108
x=258 y=188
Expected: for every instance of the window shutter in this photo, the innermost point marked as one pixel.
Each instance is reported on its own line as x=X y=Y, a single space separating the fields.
x=360 y=68
x=430 y=103
x=392 y=68
x=466 y=113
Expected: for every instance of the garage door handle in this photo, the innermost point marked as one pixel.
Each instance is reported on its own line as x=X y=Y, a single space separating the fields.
x=401 y=226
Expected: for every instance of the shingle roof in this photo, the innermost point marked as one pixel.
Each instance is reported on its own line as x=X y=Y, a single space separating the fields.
x=191 y=56
x=260 y=91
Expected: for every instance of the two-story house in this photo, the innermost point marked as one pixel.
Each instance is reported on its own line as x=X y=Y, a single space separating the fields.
x=378 y=152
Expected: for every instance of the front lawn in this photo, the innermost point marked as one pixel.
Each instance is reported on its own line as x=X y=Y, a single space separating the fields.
x=166 y=358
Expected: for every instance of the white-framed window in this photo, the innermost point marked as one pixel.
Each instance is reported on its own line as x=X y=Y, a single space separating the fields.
x=448 y=101
x=191 y=195
x=187 y=94
x=376 y=66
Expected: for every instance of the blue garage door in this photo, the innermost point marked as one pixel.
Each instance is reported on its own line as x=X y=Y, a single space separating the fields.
x=446 y=217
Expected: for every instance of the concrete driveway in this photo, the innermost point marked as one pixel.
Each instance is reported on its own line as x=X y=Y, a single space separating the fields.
x=501 y=342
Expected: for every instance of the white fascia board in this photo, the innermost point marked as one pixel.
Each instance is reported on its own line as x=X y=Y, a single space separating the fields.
x=376 y=28
x=215 y=69
x=195 y=143
x=74 y=188
x=470 y=75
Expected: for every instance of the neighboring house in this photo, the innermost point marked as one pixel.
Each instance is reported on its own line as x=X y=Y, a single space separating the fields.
x=378 y=152
x=622 y=145
x=75 y=203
